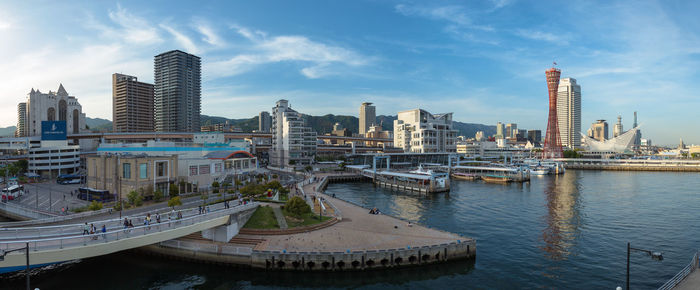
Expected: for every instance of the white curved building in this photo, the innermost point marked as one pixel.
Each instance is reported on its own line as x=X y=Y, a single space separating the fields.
x=620 y=144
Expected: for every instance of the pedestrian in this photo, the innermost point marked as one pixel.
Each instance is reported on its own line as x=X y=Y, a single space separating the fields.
x=208 y=211
x=126 y=223
x=104 y=232
x=86 y=229
x=148 y=219
x=157 y=217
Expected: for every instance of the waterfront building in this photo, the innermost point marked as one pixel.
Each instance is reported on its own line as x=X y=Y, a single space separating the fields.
x=637 y=142
x=132 y=104
x=53 y=106
x=376 y=132
x=264 y=122
x=219 y=127
x=21 y=130
x=419 y=131
x=207 y=159
x=339 y=130
x=511 y=130
x=617 y=129
x=123 y=173
x=292 y=142
x=368 y=117
x=499 y=131
x=569 y=112
x=534 y=136
x=599 y=130
x=623 y=144
x=177 y=92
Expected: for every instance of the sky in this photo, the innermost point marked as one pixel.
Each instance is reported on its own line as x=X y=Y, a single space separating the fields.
x=482 y=60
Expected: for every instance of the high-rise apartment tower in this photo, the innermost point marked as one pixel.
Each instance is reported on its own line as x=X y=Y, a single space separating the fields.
x=177 y=92
x=132 y=104
x=569 y=113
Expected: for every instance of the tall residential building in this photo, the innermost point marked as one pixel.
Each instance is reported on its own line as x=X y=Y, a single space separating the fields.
x=511 y=130
x=132 y=104
x=292 y=142
x=21 y=120
x=368 y=117
x=617 y=129
x=264 y=121
x=638 y=141
x=499 y=131
x=569 y=113
x=53 y=106
x=599 y=130
x=418 y=131
x=177 y=92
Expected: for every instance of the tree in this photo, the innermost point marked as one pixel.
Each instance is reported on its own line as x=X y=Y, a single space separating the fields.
x=174 y=201
x=297 y=207
x=174 y=190
x=292 y=162
x=308 y=168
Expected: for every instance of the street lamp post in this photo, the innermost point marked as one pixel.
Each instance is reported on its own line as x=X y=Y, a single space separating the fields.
x=654 y=255
x=26 y=248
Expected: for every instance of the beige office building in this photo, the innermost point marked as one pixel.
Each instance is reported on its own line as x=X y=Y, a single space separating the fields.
x=132 y=104
x=125 y=173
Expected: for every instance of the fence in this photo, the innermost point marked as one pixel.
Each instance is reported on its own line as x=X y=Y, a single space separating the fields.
x=687 y=270
x=24 y=211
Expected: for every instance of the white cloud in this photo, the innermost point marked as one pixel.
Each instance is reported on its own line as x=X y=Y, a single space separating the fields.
x=454 y=14
x=129 y=27
x=562 y=39
x=210 y=35
x=318 y=58
x=4 y=25
x=182 y=39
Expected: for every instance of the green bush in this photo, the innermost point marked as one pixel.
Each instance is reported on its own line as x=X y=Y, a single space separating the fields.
x=158 y=195
x=95 y=205
x=174 y=201
x=117 y=206
x=215 y=184
x=139 y=200
x=132 y=196
x=297 y=207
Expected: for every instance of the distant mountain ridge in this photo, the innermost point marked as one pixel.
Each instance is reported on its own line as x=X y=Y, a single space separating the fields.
x=321 y=124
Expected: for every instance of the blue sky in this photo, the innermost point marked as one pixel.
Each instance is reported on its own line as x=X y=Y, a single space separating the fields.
x=482 y=60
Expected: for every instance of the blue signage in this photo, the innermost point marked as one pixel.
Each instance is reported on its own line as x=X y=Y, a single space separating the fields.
x=53 y=130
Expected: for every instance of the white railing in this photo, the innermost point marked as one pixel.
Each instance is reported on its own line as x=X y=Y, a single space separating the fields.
x=24 y=211
x=687 y=270
x=75 y=241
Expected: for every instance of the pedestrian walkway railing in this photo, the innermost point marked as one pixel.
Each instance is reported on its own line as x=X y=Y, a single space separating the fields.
x=18 y=233
x=24 y=211
x=54 y=219
x=687 y=270
x=79 y=240
x=208 y=248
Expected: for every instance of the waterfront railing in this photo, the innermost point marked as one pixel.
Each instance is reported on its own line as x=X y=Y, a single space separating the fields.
x=687 y=270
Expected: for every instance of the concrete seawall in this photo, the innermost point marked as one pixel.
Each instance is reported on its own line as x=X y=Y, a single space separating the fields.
x=356 y=241
x=622 y=167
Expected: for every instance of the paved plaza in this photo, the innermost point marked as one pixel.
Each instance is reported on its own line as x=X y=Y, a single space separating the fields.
x=50 y=196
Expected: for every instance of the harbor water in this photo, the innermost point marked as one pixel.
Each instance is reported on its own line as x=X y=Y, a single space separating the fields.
x=555 y=232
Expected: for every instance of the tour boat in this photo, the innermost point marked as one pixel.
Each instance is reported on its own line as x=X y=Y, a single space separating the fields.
x=464 y=176
x=540 y=170
x=496 y=178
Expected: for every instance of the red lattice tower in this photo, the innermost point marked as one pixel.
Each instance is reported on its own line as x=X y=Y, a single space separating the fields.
x=552 y=141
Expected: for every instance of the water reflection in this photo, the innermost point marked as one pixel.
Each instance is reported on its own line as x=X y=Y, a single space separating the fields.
x=563 y=217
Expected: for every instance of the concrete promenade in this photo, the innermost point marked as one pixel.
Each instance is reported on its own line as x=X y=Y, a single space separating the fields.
x=691 y=282
x=358 y=241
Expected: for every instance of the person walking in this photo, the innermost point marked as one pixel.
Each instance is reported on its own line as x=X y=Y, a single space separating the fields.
x=104 y=232
x=86 y=229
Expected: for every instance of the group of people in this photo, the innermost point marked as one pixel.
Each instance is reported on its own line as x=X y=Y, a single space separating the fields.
x=204 y=209
x=374 y=211
x=91 y=230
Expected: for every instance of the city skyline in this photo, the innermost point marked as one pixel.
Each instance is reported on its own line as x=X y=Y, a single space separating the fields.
x=465 y=59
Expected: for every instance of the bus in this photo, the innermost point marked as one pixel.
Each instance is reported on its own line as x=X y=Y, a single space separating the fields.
x=69 y=179
x=90 y=194
x=12 y=192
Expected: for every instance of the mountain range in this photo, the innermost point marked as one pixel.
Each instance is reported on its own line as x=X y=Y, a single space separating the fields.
x=321 y=124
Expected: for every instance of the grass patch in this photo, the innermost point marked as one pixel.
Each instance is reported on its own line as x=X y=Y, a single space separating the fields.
x=306 y=219
x=262 y=218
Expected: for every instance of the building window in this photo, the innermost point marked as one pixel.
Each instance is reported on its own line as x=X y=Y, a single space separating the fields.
x=143 y=171
x=204 y=169
x=217 y=167
x=193 y=170
x=126 y=170
x=161 y=169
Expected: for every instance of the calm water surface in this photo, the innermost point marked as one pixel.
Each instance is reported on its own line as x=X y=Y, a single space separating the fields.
x=563 y=232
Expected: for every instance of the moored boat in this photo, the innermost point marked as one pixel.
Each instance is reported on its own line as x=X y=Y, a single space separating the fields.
x=496 y=179
x=464 y=176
